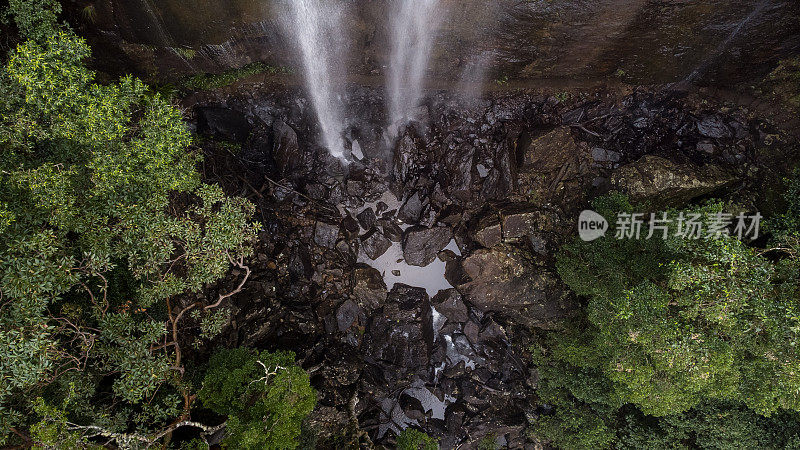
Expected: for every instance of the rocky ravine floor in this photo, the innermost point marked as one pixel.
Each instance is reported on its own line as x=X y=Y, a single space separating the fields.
x=483 y=192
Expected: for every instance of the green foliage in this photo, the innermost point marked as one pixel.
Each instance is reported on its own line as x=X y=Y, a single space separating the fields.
x=488 y=442
x=676 y=321
x=265 y=396
x=103 y=219
x=412 y=439
x=210 y=81
x=786 y=227
x=36 y=20
x=683 y=341
x=784 y=82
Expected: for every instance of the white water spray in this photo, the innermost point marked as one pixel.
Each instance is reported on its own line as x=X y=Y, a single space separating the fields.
x=316 y=26
x=414 y=26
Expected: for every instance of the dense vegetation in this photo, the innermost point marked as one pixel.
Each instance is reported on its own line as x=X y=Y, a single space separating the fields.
x=105 y=225
x=684 y=342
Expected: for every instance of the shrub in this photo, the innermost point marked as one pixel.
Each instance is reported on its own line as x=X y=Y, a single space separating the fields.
x=265 y=397
x=411 y=439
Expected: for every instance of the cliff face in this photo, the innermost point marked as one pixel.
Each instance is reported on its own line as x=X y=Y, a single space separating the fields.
x=640 y=41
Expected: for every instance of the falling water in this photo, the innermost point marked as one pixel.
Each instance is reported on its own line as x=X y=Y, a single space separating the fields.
x=414 y=26
x=316 y=26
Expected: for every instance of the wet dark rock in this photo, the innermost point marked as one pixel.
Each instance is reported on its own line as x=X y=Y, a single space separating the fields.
x=300 y=264
x=411 y=210
x=223 y=123
x=605 y=158
x=285 y=149
x=665 y=182
x=381 y=207
x=421 y=245
x=391 y=230
x=347 y=313
x=713 y=127
x=522 y=220
x=326 y=234
x=554 y=168
x=706 y=147
x=395 y=335
x=458 y=172
x=350 y=224
x=447 y=255
x=449 y=304
x=487 y=231
x=355 y=188
x=374 y=244
x=505 y=279
x=367 y=218
x=454 y=273
x=369 y=290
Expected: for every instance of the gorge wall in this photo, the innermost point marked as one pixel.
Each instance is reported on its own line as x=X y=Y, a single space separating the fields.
x=638 y=41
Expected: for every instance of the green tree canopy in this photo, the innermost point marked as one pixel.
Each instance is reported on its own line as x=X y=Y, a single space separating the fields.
x=103 y=221
x=682 y=340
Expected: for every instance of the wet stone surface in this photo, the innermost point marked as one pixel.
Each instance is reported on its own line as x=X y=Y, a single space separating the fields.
x=481 y=196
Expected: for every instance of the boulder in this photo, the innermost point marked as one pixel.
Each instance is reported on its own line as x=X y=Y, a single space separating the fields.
x=223 y=123
x=396 y=335
x=421 y=245
x=664 y=182
x=411 y=210
x=369 y=290
x=367 y=218
x=449 y=304
x=553 y=167
x=487 y=231
x=285 y=149
x=374 y=244
x=506 y=280
x=326 y=234
x=713 y=127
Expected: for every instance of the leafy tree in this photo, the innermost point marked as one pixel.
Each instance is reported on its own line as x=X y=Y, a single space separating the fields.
x=683 y=341
x=411 y=439
x=265 y=397
x=674 y=322
x=35 y=19
x=103 y=223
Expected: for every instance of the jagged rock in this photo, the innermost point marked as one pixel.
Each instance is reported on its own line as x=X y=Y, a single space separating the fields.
x=347 y=313
x=350 y=224
x=369 y=290
x=223 y=123
x=713 y=127
x=505 y=279
x=458 y=172
x=421 y=245
x=411 y=210
x=285 y=149
x=326 y=234
x=396 y=337
x=664 y=182
x=522 y=220
x=447 y=255
x=374 y=244
x=449 y=304
x=391 y=230
x=552 y=167
x=367 y=218
x=487 y=231
x=605 y=158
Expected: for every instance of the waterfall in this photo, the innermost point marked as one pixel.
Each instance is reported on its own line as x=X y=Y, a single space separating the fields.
x=414 y=26
x=316 y=27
